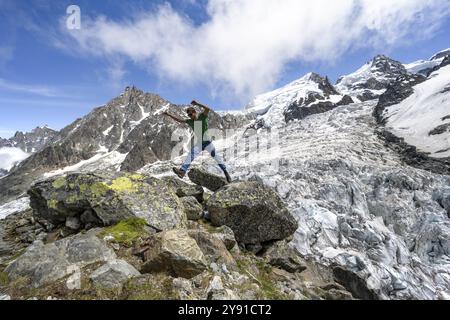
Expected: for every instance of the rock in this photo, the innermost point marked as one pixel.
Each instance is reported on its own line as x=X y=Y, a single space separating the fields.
x=212 y=247
x=253 y=211
x=46 y=263
x=206 y=179
x=285 y=257
x=4 y=297
x=99 y=200
x=354 y=283
x=73 y=223
x=217 y=291
x=173 y=251
x=184 y=189
x=113 y=274
x=226 y=235
x=183 y=287
x=193 y=209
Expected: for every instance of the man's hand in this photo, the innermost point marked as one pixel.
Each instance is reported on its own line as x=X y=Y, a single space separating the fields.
x=195 y=103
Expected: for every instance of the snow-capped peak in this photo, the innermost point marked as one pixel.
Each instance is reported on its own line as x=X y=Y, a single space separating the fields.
x=440 y=55
x=372 y=79
x=424 y=67
x=271 y=106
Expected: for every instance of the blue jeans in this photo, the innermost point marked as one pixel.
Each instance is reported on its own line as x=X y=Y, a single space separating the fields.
x=197 y=149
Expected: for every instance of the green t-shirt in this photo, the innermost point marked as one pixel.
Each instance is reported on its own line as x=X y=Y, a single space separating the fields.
x=200 y=123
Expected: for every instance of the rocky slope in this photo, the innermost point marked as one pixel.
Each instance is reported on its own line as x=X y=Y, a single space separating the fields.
x=157 y=252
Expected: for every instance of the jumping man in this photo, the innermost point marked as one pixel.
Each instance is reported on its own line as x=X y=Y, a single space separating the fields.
x=199 y=124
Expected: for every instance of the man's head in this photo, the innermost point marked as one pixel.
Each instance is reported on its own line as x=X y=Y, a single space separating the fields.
x=192 y=113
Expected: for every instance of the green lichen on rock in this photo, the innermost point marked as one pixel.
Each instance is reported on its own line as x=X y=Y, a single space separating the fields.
x=97 y=190
x=59 y=183
x=52 y=204
x=127 y=231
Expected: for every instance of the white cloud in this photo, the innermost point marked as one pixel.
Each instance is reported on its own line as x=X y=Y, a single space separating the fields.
x=10 y=156
x=245 y=44
x=30 y=89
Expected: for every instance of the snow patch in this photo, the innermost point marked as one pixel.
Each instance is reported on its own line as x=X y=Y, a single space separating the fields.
x=15 y=206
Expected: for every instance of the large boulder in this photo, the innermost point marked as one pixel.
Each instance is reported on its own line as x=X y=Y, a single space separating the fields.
x=212 y=246
x=205 y=179
x=175 y=252
x=100 y=200
x=281 y=255
x=45 y=263
x=113 y=274
x=253 y=211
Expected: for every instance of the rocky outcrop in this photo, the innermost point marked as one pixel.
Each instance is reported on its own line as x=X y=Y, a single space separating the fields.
x=174 y=252
x=46 y=263
x=100 y=201
x=254 y=212
x=302 y=109
x=396 y=92
x=208 y=180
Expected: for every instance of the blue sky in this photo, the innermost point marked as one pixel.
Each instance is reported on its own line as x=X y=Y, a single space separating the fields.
x=219 y=53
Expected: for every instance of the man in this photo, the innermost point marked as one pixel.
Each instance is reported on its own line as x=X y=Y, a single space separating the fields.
x=199 y=124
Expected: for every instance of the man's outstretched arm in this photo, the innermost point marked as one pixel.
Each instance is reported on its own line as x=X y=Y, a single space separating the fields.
x=206 y=109
x=173 y=117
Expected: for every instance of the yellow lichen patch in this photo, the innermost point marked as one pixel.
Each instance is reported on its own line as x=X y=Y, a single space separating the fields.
x=126 y=231
x=98 y=189
x=52 y=204
x=59 y=183
x=124 y=184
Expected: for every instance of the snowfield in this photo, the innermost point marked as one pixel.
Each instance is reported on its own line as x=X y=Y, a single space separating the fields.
x=13 y=207
x=416 y=117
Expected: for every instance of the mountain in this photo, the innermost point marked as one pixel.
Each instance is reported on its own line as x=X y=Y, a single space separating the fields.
x=18 y=148
x=353 y=182
x=425 y=67
x=308 y=95
x=30 y=142
x=372 y=79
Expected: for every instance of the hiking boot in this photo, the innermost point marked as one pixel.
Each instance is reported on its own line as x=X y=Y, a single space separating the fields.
x=180 y=173
x=227 y=176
